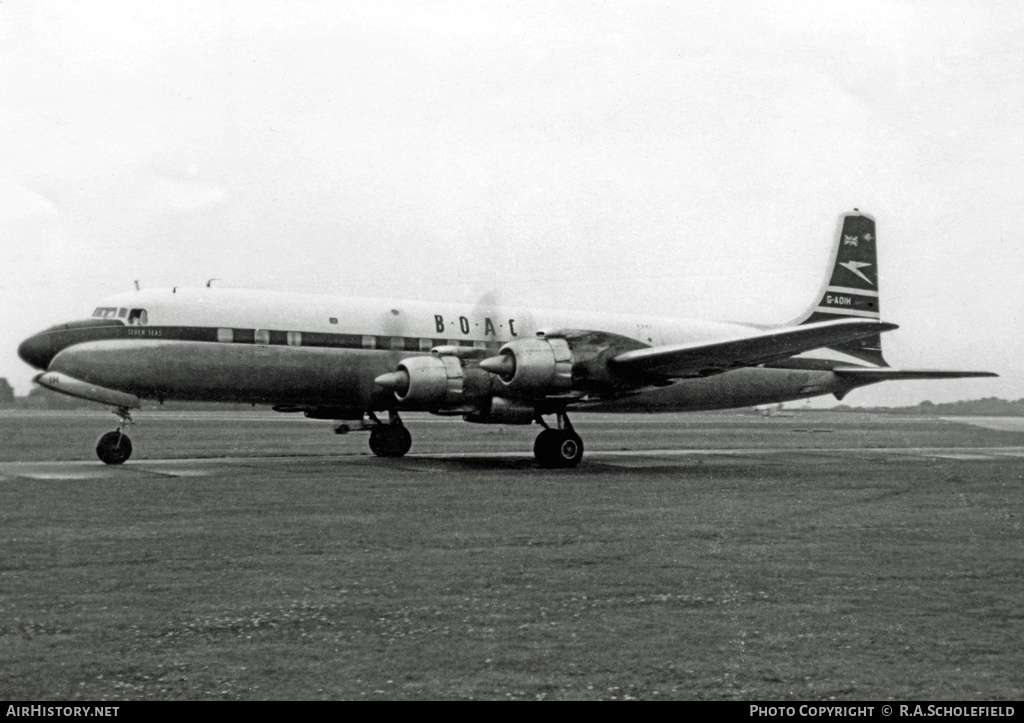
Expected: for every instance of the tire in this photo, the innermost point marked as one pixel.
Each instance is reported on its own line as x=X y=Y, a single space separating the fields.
x=544 y=447
x=114 y=448
x=401 y=441
x=558 y=449
x=569 y=451
x=390 y=440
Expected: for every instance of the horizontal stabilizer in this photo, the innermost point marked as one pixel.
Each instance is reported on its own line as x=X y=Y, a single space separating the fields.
x=868 y=374
x=704 y=358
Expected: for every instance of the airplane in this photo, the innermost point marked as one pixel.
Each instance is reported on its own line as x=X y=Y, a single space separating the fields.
x=348 y=359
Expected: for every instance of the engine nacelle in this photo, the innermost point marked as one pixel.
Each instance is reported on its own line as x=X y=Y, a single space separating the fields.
x=426 y=382
x=503 y=411
x=533 y=367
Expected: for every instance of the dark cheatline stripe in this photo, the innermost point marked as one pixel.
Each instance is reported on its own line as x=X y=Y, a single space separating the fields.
x=66 y=335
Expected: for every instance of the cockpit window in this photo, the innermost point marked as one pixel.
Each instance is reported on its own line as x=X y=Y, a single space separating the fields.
x=138 y=317
x=105 y=312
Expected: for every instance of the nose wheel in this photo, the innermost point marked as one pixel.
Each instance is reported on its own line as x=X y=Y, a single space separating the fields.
x=115 y=447
x=558 y=448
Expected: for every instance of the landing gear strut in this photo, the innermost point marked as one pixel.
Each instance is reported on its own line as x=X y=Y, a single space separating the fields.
x=558 y=448
x=115 y=447
x=389 y=440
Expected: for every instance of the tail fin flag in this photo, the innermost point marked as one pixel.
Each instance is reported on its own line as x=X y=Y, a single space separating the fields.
x=852 y=288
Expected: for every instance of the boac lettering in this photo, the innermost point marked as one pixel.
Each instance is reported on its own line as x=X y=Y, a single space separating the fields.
x=465 y=325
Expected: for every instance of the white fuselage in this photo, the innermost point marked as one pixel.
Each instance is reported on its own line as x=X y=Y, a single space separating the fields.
x=451 y=322
x=325 y=351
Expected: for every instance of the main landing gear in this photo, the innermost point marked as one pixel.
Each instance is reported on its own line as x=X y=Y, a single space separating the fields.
x=115 y=447
x=389 y=440
x=555 y=448
x=558 y=448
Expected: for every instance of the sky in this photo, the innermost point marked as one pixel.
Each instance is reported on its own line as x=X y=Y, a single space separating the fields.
x=681 y=159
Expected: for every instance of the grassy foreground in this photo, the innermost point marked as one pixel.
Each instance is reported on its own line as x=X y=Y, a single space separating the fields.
x=805 y=576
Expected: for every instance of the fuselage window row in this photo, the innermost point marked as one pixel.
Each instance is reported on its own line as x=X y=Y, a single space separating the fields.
x=139 y=317
x=349 y=341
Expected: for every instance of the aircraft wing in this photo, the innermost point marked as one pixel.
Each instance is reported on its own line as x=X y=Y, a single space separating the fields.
x=871 y=374
x=696 y=359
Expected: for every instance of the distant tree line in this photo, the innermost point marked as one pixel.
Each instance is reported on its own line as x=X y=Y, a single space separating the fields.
x=987 y=407
x=6 y=392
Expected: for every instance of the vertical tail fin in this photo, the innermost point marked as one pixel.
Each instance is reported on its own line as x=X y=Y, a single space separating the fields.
x=852 y=287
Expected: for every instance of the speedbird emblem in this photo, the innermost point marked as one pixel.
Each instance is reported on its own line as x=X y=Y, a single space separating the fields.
x=855 y=267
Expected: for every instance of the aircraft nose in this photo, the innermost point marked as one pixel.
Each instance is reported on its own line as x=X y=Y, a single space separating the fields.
x=37 y=351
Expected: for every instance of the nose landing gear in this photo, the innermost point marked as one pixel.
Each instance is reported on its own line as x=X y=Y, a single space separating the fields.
x=558 y=448
x=115 y=447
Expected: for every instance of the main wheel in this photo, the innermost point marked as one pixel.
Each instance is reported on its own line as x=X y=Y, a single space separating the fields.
x=114 y=447
x=390 y=440
x=544 y=447
x=558 y=448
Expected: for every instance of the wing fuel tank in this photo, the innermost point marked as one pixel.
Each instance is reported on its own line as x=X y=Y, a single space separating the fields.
x=57 y=382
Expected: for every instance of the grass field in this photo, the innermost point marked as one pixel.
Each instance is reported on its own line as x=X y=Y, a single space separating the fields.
x=824 y=573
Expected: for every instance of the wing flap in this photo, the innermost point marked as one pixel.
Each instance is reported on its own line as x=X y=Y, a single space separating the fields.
x=697 y=359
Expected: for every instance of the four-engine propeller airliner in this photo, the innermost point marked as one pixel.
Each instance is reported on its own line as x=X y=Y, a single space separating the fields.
x=349 y=359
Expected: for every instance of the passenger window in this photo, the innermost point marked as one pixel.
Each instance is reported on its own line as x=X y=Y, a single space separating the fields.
x=369 y=342
x=398 y=342
x=426 y=344
x=225 y=336
x=261 y=336
x=294 y=338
